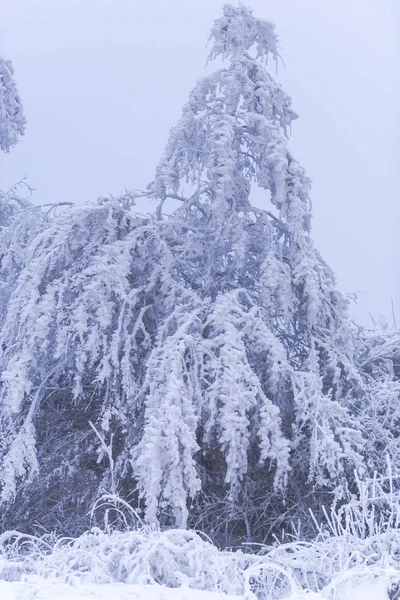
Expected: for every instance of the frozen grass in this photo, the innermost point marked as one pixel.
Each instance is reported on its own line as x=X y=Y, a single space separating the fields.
x=357 y=549
x=177 y=558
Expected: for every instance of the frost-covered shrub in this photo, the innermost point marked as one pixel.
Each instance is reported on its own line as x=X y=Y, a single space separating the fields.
x=171 y=558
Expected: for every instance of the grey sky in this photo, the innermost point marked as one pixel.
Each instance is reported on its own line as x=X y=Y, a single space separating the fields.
x=103 y=81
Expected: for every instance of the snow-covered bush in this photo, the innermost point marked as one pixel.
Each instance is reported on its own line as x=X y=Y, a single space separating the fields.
x=171 y=558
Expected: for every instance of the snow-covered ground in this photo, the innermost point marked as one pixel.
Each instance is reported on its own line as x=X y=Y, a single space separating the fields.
x=44 y=590
x=36 y=589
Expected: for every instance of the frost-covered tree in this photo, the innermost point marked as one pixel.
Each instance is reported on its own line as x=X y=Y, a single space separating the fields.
x=12 y=120
x=14 y=232
x=280 y=382
x=198 y=363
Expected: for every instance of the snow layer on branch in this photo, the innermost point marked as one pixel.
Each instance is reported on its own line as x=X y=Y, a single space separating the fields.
x=164 y=458
x=236 y=394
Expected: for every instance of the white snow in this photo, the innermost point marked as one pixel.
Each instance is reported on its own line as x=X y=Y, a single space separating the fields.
x=39 y=589
x=43 y=590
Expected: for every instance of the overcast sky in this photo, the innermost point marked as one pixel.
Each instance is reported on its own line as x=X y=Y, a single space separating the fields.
x=102 y=81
